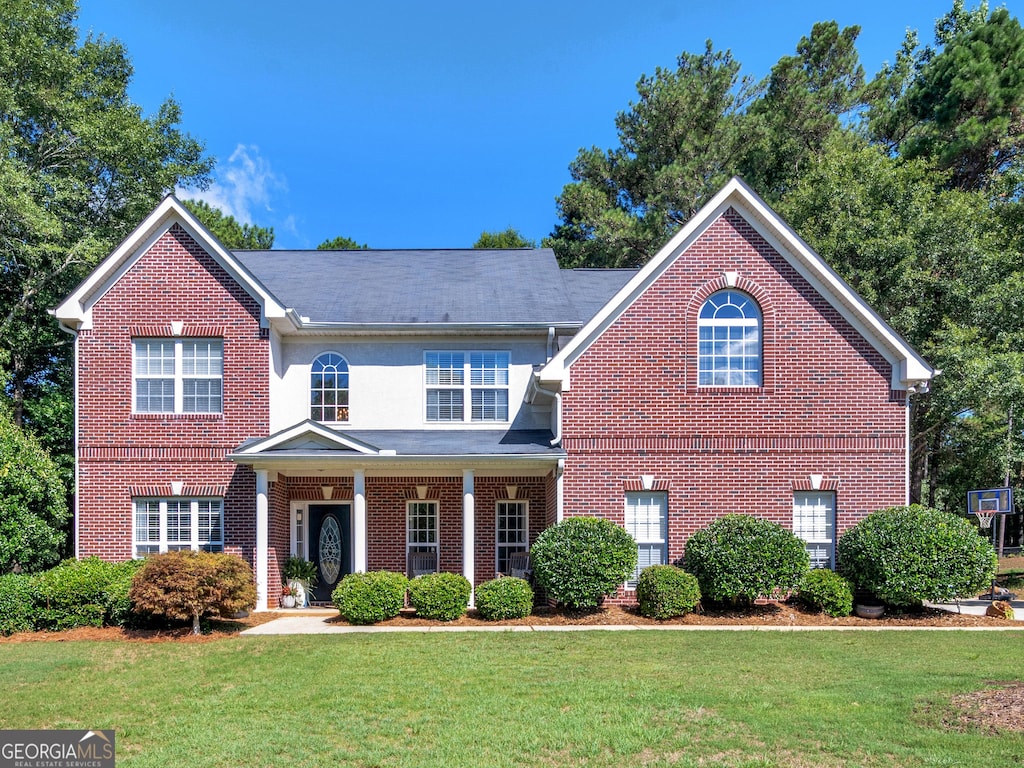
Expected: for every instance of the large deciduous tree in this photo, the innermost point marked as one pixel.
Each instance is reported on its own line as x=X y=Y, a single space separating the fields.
x=80 y=166
x=33 y=504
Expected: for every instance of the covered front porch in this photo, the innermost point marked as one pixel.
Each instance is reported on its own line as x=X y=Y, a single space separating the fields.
x=414 y=502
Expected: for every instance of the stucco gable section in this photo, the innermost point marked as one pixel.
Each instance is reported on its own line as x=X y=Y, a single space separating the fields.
x=909 y=370
x=75 y=312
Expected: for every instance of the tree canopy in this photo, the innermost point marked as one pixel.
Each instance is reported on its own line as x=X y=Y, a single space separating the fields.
x=341 y=243
x=33 y=505
x=80 y=166
x=232 y=234
x=909 y=184
x=507 y=238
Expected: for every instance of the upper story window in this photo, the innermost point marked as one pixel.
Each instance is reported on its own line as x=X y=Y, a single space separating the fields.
x=455 y=379
x=328 y=388
x=729 y=341
x=179 y=375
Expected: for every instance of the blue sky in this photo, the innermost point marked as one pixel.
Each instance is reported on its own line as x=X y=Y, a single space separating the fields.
x=420 y=125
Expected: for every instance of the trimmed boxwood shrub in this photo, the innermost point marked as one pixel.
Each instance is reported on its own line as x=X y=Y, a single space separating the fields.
x=441 y=596
x=826 y=591
x=907 y=554
x=85 y=593
x=740 y=558
x=581 y=559
x=504 y=598
x=18 y=598
x=665 y=592
x=366 y=598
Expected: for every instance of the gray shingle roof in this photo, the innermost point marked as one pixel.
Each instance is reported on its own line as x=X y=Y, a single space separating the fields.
x=590 y=289
x=417 y=286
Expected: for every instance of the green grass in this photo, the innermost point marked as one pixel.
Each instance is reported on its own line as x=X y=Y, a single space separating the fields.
x=516 y=699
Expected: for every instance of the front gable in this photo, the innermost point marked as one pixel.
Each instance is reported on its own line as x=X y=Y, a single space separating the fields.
x=170 y=219
x=700 y=248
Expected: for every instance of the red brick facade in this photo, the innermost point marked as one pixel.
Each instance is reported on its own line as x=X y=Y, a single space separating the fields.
x=121 y=454
x=825 y=406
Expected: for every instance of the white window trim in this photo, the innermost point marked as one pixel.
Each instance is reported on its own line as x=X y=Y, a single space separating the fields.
x=632 y=582
x=348 y=389
x=162 y=544
x=745 y=322
x=178 y=376
x=467 y=387
x=436 y=545
x=298 y=544
x=830 y=542
x=526 y=529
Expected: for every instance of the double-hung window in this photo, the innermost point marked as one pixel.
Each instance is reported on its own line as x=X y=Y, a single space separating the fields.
x=512 y=534
x=814 y=521
x=647 y=522
x=165 y=525
x=421 y=536
x=455 y=379
x=178 y=375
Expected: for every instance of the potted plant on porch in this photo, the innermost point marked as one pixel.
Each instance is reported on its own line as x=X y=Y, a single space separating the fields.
x=288 y=595
x=300 y=574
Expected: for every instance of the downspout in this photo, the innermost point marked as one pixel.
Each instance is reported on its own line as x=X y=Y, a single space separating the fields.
x=556 y=414
x=74 y=439
x=913 y=388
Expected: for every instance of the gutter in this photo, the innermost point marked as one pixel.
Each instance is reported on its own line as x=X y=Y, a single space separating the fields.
x=556 y=415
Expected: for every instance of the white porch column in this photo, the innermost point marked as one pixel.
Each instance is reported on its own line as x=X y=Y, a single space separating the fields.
x=359 y=540
x=559 y=492
x=468 y=533
x=262 y=537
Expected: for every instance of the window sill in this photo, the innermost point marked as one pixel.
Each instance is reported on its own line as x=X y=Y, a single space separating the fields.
x=177 y=416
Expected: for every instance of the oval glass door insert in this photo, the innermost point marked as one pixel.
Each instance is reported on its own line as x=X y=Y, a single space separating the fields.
x=330 y=549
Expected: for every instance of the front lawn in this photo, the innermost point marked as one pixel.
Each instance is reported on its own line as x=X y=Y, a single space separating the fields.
x=513 y=699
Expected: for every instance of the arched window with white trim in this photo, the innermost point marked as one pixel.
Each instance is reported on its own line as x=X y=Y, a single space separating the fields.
x=729 y=341
x=328 y=388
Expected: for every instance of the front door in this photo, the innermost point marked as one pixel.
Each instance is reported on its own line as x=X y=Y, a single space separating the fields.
x=330 y=546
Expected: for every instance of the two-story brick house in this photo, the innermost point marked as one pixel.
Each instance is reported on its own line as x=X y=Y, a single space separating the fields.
x=420 y=410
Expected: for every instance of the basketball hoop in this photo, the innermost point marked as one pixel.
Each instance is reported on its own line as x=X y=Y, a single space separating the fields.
x=984 y=519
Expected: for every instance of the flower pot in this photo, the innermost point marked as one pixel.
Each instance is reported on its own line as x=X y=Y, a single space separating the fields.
x=299 y=587
x=287 y=601
x=869 y=611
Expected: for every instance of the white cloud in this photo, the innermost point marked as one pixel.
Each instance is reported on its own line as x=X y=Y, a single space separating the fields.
x=244 y=183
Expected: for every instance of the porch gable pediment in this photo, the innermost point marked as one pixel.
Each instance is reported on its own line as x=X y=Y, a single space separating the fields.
x=307 y=436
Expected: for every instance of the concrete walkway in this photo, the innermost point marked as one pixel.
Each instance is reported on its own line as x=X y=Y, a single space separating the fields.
x=316 y=622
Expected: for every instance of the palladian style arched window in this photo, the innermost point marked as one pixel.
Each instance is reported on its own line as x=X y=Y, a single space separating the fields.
x=729 y=341
x=328 y=388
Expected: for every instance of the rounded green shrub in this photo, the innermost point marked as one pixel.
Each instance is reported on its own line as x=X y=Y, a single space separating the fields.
x=581 y=559
x=907 y=554
x=366 y=598
x=740 y=558
x=665 y=592
x=18 y=603
x=826 y=591
x=504 y=598
x=440 y=596
x=85 y=593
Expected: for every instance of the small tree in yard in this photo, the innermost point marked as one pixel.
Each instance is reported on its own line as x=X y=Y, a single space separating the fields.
x=190 y=585
x=582 y=559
